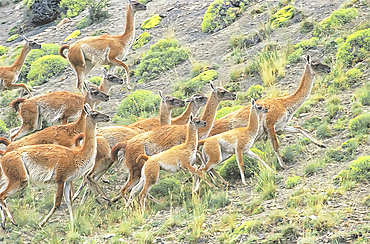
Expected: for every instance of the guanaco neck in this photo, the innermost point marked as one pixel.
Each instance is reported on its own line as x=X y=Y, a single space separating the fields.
x=191 y=136
x=78 y=125
x=295 y=100
x=209 y=115
x=164 y=114
x=253 y=122
x=105 y=86
x=184 y=117
x=130 y=22
x=21 y=58
x=89 y=101
x=88 y=148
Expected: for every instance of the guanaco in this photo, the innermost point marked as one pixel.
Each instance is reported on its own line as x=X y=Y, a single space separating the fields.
x=9 y=74
x=55 y=107
x=163 y=138
x=167 y=104
x=172 y=160
x=280 y=111
x=218 y=148
x=53 y=164
x=106 y=49
x=107 y=82
x=116 y=134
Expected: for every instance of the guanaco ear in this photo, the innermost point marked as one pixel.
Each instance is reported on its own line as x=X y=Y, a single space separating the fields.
x=25 y=38
x=104 y=71
x=191 y=117
x=87 y=87
x=253 y=103
x=212 y=86
x=307 y=59
x=161 y=95
x=190 y=99
x=87 y=108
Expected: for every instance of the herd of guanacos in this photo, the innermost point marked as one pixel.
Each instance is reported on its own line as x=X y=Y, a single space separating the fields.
x=61 y=153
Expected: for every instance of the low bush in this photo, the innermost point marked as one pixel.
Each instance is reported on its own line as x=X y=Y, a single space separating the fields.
x=195 y=84
x=343 y=153
x=358 y=170
x=306 y=26
x=307 y=44
x=355 y=49
x=362 y=95
x=282 y=17
x=12 y=38
x=3 y=50
x=226 y=110
x=222 y=13
x=337 y=18
x=141 y=40
x=163 y=55
x=95 y=80
x=292 y=181
x=360 y=125
x=44 y=68
x=295 y=56
x=140 y=103
x=230 y=170
x=165 y=187
x=73 y=35
x=151 y=22
x=3 y=128
x=255 y=92
x=71 y=8
x=323 y=131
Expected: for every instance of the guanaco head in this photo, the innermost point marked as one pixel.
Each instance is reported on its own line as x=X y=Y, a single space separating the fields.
x=110 y=78
x=137 y=6
x=259 y=108
x=94 y=94
x=198 y=123
x=198 y=99
x=31 y=44
x=172 y=102
x=94 y=115
x=222 y=94
x=316 y=67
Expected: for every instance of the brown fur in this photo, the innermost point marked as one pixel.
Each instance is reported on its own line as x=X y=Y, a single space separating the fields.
x=49 y=164
x=165 y=137
x=9 y=74
x=84 y=54
x=280 y=110
x=15 y=104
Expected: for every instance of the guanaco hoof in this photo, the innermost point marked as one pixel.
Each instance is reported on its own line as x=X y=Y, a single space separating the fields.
x=229 y=187
x=322 y=146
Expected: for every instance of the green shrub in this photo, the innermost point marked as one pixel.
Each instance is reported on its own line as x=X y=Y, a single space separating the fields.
x=363 y=96
x=353 y=75
x=3 y=128
x=337 y=18
x=255 y=92
x=358 y=170
x=292 y=181
x=145 y=1
x=226 y=110
x=141 y=40
x=163 y=55
x=140 y=103
x=95 y=80
x=266 y=184
x=283 y=16
x=44 y=68
x=323 y=131
x=84 y=22
x=97 y=12
x=305 y=108
x=306 y=26
x=46 y=49
x=360 y=125
x=72 y=8
x=355 y=49
x=151 y=22
x=73 y=35
x=295 y=56
x=197 y=68
x=307 y=44
x=312 y=168
x=311 y=124
x=290 y=153
x=195 y=84
x=230 y=170
x=3 y=50
x=12 y=38
x=165 y=187
x=222 y=13
x=343 y=153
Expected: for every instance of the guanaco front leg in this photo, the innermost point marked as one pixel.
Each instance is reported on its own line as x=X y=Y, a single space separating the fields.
x=239 y=159
x=298 y=129
x=275 y=145
x=57 y=201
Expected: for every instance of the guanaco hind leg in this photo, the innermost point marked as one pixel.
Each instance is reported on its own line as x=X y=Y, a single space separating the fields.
x=298 y=129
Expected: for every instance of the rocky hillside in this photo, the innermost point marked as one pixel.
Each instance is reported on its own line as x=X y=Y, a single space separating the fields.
x=254 y=48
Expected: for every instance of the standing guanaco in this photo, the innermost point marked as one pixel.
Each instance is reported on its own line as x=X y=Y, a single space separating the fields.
x=218 y=148
x=163 y=138
x=174 y=159
x=106 y=49
x=281 y=110
x=9 y=74
x=52 y=164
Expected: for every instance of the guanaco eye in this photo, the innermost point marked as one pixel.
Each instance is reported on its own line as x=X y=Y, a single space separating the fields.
x=223 y=92
x=95 y=92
